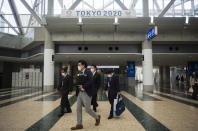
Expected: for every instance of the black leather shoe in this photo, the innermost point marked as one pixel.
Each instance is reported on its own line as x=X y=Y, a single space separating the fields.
x=70 y=111
x=110 y=117
x=94 y=108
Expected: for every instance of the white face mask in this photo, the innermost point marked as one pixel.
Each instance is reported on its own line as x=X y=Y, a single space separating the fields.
x=79 y=68
x=109 y=75
x=92 y=70
x=63 y=74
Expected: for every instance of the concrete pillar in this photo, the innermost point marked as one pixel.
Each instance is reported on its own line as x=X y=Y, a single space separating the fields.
x=165 y=76
x=145 y=8
x=50 y=7
x=61 y=3
x=147 y=65
x=48 y=63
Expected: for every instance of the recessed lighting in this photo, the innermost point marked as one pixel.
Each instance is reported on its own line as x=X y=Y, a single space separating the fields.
x=187 y=20
x=80 y=21
x=116 y=21
x=152 y=20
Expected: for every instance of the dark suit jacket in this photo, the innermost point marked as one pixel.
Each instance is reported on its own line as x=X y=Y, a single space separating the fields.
x=114 y=85
x=65 y=84
x=96 y=82
x=88 y=84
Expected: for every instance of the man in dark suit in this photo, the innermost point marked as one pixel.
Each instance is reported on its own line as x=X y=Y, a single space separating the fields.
x=84 y=94
x=65 y=87
x=112 y=85
x=96 y=85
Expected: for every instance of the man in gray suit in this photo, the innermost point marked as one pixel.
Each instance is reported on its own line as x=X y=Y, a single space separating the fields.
x=84 y=93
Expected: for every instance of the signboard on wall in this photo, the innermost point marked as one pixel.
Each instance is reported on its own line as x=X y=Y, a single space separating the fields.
x=98 y=13
x=130 y=69
x=152 y=33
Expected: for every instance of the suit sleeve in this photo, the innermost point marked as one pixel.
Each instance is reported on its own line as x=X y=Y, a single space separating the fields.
x=59 y=84
x=70 y=83
x=89 y=81
x=98 y=81
x=117 y=84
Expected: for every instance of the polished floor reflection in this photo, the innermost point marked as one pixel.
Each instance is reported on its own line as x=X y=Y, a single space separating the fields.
x=161 y=110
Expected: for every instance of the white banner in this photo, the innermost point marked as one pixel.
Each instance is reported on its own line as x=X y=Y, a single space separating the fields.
x=98 y=13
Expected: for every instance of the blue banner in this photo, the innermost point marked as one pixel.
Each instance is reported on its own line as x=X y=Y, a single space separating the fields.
x=131 y=69
x=152 y=33
x=192 y=67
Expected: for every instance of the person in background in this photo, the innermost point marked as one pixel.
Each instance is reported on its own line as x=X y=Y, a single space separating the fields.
x=194 y=84
x=96 y=86
x=65 y=87
x=112 y=85
x=84 y=94
x=177 y=80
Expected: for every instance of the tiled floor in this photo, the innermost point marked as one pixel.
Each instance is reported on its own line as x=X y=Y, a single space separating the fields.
x=32 y=110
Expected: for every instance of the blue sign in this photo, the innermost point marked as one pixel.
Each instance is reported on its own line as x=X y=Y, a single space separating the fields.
x=152 y=33
x=131 y=69
x=192 y=67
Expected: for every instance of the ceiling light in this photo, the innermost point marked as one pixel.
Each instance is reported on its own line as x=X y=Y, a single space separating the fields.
x=116 y=21
x=80 y=21
x=152 y=20
x=187 y=20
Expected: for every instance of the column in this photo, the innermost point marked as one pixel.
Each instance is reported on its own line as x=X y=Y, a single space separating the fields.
x=50 y=7
x=165 y=76
x=147 y=64
x=145 y=8
x=48 y=63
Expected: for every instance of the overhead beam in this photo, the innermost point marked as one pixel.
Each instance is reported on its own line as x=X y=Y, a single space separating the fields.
x=2 y=2
x=108 y=4
x=16 y=16
x=145 y=8
x=121 y=5
x=166 y=8
x=60 y=3
x=10 y=25
x=157 y=5
x=50 y=9
x=88 y=5
x=179 y=3
x=32 y=12
x=196 y=8
x=75 y=4
x=133 y=4
x=193 y=7
x=30 y=20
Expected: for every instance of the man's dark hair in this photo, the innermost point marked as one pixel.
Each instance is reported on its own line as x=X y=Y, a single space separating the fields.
x=94 y=66
x=83 y=62
x=65 y=69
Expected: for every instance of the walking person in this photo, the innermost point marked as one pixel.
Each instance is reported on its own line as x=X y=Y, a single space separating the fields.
x=112 y=85
x=194 y=84
x=84 y=95
x=65 y=87
x=96 y=86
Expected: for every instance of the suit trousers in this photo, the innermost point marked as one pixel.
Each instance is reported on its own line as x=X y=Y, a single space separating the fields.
x=111 y=98
x=84 y=100
x=65 y=102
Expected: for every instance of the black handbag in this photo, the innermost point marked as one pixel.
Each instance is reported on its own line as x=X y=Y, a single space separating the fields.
x=120 y=107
